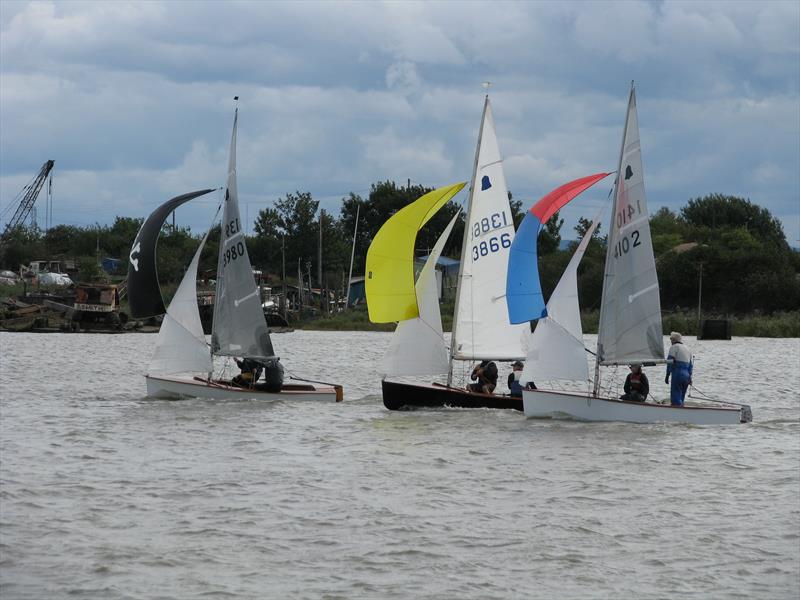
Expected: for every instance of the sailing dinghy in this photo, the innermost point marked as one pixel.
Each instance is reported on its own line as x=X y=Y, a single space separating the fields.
x=481 y=329
x=630 y=328
x=182 y=364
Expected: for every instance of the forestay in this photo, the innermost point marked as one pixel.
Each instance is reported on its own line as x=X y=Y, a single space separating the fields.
x=240 y=328
x=181 y=345
x=417 y=346
x=630 y=315
x=481 y=328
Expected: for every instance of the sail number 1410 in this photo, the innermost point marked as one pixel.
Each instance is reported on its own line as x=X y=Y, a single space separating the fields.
x=493 y=243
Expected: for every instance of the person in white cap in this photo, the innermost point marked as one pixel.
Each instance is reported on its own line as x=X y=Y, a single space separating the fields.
x=679 y=366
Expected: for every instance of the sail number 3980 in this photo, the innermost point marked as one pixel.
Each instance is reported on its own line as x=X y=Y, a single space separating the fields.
x=236 y=250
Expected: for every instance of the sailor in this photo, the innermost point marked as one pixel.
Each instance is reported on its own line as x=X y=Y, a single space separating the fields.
x=679 y=366
x=514 y=384
x=251 y=371
x=273 y=375
x=636 y=385
x=486 y=375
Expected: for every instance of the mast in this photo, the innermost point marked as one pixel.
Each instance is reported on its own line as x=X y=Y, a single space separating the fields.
x=464 y=242
x=283 y=268
x=319 y=256
x=352 y=255
x=598 y=358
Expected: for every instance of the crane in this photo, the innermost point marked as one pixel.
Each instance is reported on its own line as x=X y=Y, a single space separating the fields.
x=30 y=193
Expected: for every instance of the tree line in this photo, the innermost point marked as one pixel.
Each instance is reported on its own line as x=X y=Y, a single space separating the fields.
x=747 y=265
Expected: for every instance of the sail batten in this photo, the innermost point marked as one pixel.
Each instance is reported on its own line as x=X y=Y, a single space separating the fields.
x=239 y=328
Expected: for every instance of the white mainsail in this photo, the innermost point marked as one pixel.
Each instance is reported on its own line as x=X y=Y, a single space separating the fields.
x=240 y=328
x=181 y=345
x=630 y=313
x=556 y=349
x=481 y=329
x=417 y=346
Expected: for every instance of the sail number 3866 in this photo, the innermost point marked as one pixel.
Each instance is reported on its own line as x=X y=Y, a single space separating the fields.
x=493 y=243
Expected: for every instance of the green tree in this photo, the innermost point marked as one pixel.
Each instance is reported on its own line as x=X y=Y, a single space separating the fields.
x=549 y=239
x=717 y=211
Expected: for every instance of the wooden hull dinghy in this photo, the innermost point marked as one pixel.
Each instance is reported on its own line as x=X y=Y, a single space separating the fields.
x=182 y=364
x=403 y=396
x=173 y=387
x=481 y=329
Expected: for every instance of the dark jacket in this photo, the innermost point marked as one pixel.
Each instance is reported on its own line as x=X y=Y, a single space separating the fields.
x=637 y=382
x=489 y=374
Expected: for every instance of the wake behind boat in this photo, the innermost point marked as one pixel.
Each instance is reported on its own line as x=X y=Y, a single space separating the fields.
x=182 y=363
x=630 y=330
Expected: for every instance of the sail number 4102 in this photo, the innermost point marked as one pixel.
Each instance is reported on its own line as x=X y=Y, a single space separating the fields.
x=494 y=243
x=625 y=244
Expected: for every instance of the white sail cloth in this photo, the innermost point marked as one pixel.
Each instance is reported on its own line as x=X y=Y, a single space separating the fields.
x=556 y=348
x=181 y=345
x=630 y=313
x=417 y=346
x=481 y=329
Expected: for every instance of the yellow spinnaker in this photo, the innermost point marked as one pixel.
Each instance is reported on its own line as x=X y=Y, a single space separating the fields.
x=389 y=284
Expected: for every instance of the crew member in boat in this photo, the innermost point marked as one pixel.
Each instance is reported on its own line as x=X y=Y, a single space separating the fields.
x=250 y=372
x=514 y=384
x=273 y=375
x=485 y=377
x=636 y=385
x=679 y=366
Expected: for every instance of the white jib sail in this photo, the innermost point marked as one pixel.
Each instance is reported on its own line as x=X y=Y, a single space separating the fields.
x=240 y=328
x=181 y=345
x=482 y=330
x=556 y=348
x=630 y=313
x=417 y=346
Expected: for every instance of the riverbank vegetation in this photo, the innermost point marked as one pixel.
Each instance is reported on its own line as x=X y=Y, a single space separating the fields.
x=725 y=253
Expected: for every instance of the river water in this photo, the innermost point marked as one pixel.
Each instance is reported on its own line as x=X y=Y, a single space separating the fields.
x=107 y=494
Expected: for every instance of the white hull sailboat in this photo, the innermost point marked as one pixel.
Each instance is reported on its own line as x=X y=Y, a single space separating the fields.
x=630 y=330
x=552 y=404
x=182 y=364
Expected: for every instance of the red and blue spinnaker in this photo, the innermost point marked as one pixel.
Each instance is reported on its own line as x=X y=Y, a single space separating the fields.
x=523 y=289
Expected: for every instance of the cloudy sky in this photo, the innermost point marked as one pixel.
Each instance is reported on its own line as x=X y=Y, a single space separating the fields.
x=133 y=100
